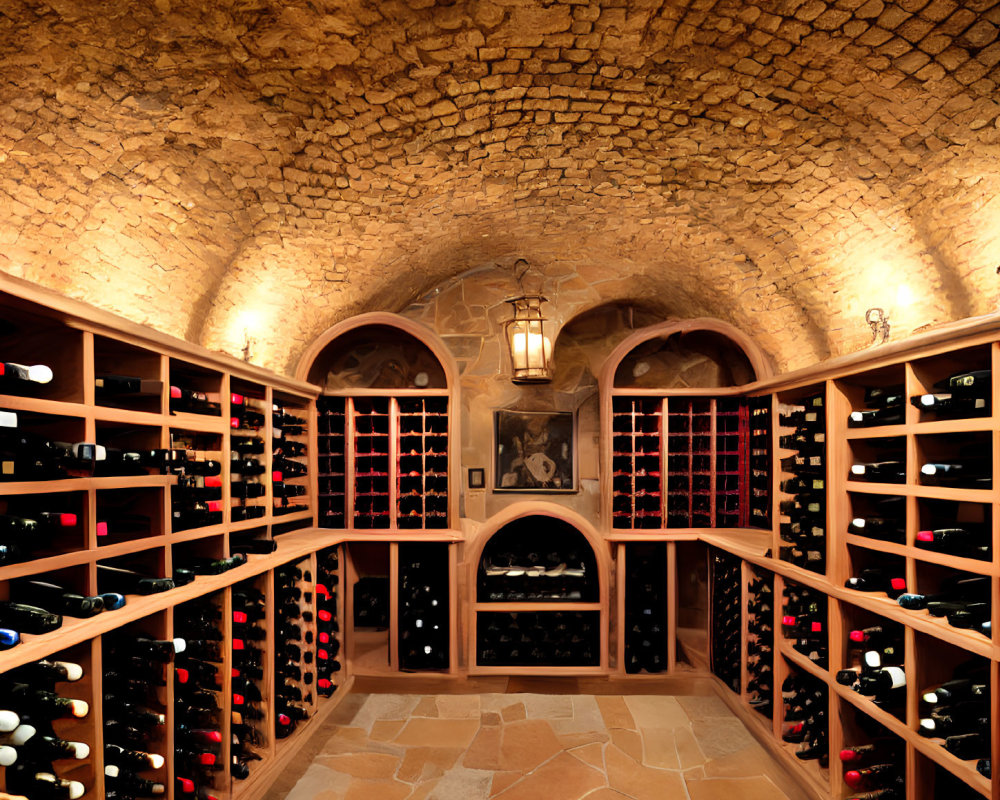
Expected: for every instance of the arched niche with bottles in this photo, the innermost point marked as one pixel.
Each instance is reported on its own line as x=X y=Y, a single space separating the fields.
x=539 y=592
x=384 y=425
x=682 y=443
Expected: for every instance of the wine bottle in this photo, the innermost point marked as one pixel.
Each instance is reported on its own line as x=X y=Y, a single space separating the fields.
x=246 y=445
x=127 y=581
x=107 y=384
x=25 y=618
x=870 y=417
x=38 y=784
x=876 y=579
x=974 y=472
x=45 y=748
x=48 y=672
x=191 y=401
x=952 y=589
x=121 y=779
x=57 y=599
x=970 y=382
x=12 y=373
x=958 y=541
x=948 y=404
x=40 y=704
x=879 y=471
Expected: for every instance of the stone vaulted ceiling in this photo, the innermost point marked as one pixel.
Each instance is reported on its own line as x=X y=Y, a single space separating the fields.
x=278 y=165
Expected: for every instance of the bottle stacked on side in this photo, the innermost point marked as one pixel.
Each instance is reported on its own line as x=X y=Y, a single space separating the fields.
x=888 y=579
x=884 y=405
x=187 y=566
x=286 y=447
x=249 y=611
x=246 y=466
x=135 y=713
x=38 y=606
x=964 y=394
x=293 y=647
x=804 y=722
x=964 y=600
x=760 y=642
x=804 y=620
x=424 y=627
x=886 y=519
x=727 y=617
x=32 y=708
x=804 y=534
x=32 y=531
x=645 y=607
x=963 y=538
x=875 y=655
x=875 y=770
x=538 y=639
x=198 y=679
x=958 y=711
x=327 y=624
x=186 y=400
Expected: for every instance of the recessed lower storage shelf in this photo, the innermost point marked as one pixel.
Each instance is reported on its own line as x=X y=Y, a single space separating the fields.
x=538 y=638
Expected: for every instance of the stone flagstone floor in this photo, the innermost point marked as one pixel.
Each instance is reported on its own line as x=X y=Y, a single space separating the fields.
x=537 y=747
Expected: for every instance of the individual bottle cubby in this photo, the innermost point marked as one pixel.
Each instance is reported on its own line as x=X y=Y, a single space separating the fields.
x=957 y=460
x=955 y=704
x=129 y=450
x=44 y=447
x=875 y=398
x=194 y=389
x=332 y=462
x=538 y=639
x=874 y=659
x=692 y=604
x=727 y=617
x=645 y=624
x=372 y=480
x=367 y=589
x=34 y=526
x=636 y=486
x=424 y=607
x=328 y=639
x=294 y=659
x=56 y=726
x=140 y=573
x=690 y=497
x=127 y=377
x=249 y=723
x=64 y=592
x=878 y=517
x=202 y=556
x=872 y=758
x=962 y=600
x=759 y=464
x=289 y=455
x=124 y=515
x=934 y=781
x=878 y=460
x=248 y=408
x=759 y=659
x=137 y=707
x=55 y=350
x=251 y=541
x=804 y=622
x=876 y=573
x=805 y=719
x=422 y=470
x=201 y=684
x=802 y=442
x=951 y=528
x=196 y=498
x=953 y=385
x=537 y=559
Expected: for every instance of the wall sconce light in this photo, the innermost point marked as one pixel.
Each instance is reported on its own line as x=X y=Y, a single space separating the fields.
x=248 y=343
x=878 y=321
x=530 y=346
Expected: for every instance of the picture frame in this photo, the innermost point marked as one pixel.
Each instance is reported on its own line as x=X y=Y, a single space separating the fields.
x=534 y=451
x=477 y=478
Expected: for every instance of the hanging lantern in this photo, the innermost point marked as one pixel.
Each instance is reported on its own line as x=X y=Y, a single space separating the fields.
x=530 y=347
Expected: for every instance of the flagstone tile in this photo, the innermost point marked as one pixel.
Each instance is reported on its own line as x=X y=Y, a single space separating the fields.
x=571 y=740
x=319 y=779
x=756 y=788
x=629 y=777
x=629 y=742
x=605 y=793
x=384 y=706
x=721 y=737
x=458 y=706
x=592 y=754
x=562 y=778
x=385 y=730
x=362 y=765
x=484 y=752
x=527 y=743
x=703 y=706
x=377 y=790
x=463 y=784
x=501 y=780
x=615 y=712
x=689 y=752
x=427 y=707
x=513 y=712
x=424 y=763
x=659 y=748
x=442 y=732
x=548 y=706
x=656 y=711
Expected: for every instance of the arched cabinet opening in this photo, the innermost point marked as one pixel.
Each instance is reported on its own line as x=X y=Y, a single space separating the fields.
x=686 y=446
x=384 y=425
x=538 y=591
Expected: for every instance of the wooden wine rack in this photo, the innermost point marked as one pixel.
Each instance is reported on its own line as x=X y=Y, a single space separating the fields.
x=80 y=342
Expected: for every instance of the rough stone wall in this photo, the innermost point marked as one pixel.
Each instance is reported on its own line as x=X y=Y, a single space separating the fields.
x=278 y=165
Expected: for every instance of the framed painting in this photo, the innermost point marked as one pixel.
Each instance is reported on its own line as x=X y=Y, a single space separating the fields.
x=534 y=451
